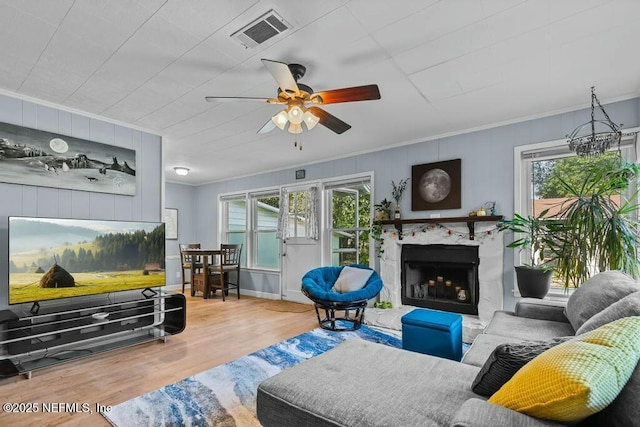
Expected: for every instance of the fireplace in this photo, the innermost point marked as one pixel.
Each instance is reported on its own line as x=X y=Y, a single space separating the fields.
x=440 y=276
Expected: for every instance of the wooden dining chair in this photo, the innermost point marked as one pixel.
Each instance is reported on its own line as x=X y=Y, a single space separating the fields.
x=220 y=274
x=186 y=262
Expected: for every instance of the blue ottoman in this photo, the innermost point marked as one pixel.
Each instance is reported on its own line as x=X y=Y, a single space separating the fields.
x=437 y=333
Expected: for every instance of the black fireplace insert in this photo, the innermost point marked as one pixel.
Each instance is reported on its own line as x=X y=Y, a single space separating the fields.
x=442 y=277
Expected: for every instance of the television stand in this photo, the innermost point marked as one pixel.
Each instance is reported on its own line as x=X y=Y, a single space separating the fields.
x=55 y=336
x=35 y=308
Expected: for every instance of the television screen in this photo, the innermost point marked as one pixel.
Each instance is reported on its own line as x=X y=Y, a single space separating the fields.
x=52 y=258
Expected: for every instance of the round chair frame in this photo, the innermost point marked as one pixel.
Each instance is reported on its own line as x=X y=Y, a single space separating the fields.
x=330 y=308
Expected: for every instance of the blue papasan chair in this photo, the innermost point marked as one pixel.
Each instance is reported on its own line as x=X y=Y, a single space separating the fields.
x=318 y=286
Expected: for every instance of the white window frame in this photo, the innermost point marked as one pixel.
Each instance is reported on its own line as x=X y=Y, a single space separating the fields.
x=334 y=184
x=250 y=246
x=325 y=229
x=255 y=232
x=522 y=189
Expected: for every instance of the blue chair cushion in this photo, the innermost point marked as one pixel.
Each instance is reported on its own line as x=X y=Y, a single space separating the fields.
x=319 y=282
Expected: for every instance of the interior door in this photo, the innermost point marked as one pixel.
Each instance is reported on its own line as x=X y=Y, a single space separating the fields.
x=300 y=252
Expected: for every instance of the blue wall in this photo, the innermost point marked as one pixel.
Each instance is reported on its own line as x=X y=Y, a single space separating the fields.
x=181 y=197
x=24 y=200
x=487 y=173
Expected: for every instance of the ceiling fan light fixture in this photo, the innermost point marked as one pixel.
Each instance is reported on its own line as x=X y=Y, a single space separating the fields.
x=280 y=119
x=295 y=115
x=180 y=170
x=295 y=128
x=310 y=120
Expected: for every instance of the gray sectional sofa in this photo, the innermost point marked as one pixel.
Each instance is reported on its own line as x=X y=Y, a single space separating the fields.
x=359 y=383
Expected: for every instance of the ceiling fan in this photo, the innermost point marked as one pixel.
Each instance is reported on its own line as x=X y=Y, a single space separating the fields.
x=302 y=102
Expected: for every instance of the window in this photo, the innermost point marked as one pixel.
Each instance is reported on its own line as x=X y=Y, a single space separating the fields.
x=538 y=167
x=349 y=207
x=235 y=224
x=251 y=219
x=298 y=214
x=266 y=247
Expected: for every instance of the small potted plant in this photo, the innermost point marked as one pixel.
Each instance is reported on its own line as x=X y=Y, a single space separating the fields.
x=396 y=193
x=382 y=209
x=534 y=277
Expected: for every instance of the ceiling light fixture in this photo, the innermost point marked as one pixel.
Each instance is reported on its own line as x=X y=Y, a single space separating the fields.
x=180 y=170
x=295 y=115
x=599 y=140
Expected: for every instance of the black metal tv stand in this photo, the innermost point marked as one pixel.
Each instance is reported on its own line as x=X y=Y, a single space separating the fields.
x=53 y=336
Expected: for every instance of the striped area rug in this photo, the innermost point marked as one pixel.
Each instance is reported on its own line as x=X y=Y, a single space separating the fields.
x=226 y=395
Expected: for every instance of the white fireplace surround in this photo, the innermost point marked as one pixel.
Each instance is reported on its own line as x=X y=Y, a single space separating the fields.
x=490 y=270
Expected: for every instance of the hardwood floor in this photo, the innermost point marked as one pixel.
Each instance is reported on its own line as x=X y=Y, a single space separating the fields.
x=216 y=333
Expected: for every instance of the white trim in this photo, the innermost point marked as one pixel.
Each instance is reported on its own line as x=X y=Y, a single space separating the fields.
x=326 y=227
x=60 y=107
x=259 y=294
x=243 y=292
x=435 y=137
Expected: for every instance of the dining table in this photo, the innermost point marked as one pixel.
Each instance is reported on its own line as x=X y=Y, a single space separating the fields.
x=201 y=260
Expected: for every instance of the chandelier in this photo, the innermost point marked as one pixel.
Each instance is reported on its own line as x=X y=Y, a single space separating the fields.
x=599 y=140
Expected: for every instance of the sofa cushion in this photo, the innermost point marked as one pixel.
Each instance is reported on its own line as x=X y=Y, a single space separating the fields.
x=366 y=384
x=351 y=279
x=506 y=360
x=575 y=379
x=596 y=294
x=507 y=324
x=544 y=309
x=480 y=413
x=627 y=306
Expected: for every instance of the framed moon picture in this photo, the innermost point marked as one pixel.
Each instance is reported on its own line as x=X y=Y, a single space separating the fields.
x=436 y=186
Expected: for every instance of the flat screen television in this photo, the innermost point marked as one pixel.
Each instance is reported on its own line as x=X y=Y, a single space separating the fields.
x=51 y=258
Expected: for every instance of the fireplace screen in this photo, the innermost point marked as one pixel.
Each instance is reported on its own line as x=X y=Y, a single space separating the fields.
x=442 y=277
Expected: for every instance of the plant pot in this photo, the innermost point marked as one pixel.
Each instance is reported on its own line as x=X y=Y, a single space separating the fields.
x=533 y=282
x=382 y=215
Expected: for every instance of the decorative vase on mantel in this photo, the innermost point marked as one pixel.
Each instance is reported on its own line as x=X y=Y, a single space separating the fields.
x=396 y=213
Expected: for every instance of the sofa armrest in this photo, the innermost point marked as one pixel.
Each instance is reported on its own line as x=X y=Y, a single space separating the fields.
x=542 y=309
x=480 y=413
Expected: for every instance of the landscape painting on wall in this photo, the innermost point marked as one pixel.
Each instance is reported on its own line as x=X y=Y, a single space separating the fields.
x=436 y=186
x=34 y=157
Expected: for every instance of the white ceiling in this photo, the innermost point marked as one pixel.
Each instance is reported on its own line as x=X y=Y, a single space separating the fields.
x=442 y=67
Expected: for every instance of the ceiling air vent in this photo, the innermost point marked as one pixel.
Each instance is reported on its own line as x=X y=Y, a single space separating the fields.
x=262 y=29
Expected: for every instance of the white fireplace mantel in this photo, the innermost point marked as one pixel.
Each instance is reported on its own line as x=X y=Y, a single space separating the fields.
x=490 y=250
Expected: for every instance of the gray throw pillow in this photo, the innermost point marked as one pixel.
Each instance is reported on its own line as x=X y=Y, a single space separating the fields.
x=506 y=360
x=627 y=306
x=596 y=294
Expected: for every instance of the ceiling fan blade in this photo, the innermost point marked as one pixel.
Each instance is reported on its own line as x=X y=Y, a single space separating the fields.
x=330 y=121
x=267 y=127
x=241 y=98
x=281 y=73
x=349 y=94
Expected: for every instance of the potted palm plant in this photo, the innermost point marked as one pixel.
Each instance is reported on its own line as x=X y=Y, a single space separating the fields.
x=534 y=277
x=597 y=231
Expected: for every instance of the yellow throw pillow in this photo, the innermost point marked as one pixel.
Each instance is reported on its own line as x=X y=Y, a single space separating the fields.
x=575 y=379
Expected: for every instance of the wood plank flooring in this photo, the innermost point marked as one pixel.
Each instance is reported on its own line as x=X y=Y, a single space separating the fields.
x=216 y=333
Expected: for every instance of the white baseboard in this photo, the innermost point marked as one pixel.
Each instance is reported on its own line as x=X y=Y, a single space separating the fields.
x=176 y=287
x=248 y=292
